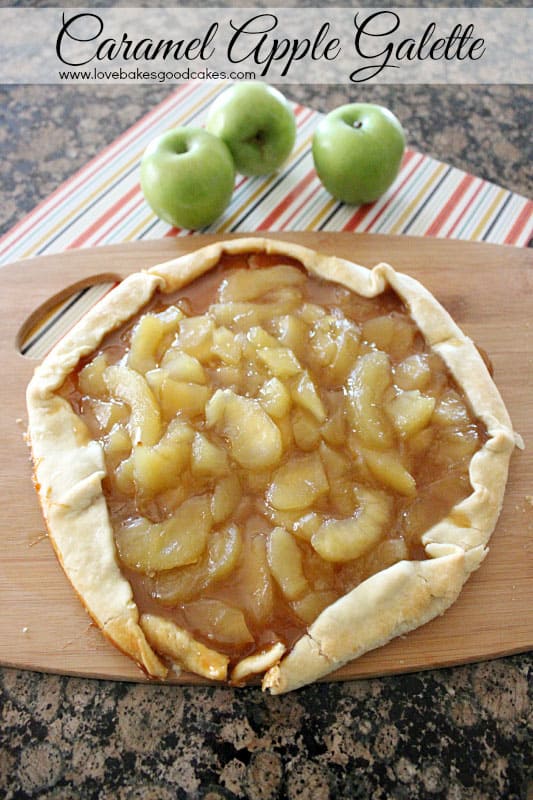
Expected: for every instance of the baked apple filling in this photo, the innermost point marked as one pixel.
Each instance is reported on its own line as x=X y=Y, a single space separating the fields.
x=271 y=440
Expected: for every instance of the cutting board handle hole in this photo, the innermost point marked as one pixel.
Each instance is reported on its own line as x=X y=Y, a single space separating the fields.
x=48 y=323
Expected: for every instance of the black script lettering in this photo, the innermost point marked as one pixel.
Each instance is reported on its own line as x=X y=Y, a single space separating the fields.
x=477 y=44
x=456 y=45
x=264 y=51
x=422 y=52
x=147 y=49
x=67 y=32
x=109 y=49
x=459 y=45
x=410 y=50
x=259 y=34
x=129 y=49
x=331 y=49
x=196 y=48
x=363 y=29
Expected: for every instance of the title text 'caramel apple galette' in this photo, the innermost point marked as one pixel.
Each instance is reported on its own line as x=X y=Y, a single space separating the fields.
x=259 y=460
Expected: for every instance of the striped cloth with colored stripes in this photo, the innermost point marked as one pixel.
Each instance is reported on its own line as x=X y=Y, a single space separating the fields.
x=103 y=204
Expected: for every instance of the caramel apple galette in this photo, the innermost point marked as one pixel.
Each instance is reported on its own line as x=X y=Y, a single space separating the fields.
x=259 y=460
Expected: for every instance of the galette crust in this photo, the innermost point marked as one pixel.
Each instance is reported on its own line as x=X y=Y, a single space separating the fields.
x=69 y=468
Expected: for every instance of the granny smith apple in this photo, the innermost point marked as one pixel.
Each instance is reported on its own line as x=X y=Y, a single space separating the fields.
x=187 y=177
x=257 y=124
x=357 y=151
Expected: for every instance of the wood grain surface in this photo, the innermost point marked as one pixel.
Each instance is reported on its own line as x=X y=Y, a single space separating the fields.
x=488 y=290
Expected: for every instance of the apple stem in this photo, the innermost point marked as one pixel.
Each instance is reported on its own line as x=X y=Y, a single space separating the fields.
x=357 y=124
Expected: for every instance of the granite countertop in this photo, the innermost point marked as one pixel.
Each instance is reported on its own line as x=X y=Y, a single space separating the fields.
x=462 y=733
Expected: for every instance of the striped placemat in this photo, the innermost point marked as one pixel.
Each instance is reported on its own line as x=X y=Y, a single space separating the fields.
x=102 y=203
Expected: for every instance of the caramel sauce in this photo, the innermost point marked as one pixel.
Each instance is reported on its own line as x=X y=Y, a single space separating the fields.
x=441 y=481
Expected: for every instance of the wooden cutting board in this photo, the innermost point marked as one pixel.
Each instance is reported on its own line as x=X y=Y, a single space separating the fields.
x=488 y=290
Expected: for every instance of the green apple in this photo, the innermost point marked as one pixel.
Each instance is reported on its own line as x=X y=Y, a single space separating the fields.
x=357 y=151
x=257 y=124
x=187 y=177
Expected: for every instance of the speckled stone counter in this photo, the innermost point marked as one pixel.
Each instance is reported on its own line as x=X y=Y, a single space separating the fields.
x=455 y=734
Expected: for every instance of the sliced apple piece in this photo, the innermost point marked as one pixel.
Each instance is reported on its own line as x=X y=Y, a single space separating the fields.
x=240 y=316
x=305 y=526
x=218 y=621
x=129 y=386
x=181 y=366
x=226 y=346
x=91 y=378
x=298 y=483
x=306 y=429
x=365 y=387
x=311 y=312
x=347 y=352
x=207 y=459
x=311 y=605
x=323 y=340
x=387 y=467
x=336 y=463
x=334 y=429
x=255 y=581
x=149 y=337
x=178 y=645
x=285 y=561
x=257 y=663
x=410 y=412
x=280 y=361
x=218 y=561
x=275 y=398
x=157 y=468
x=245 y=285
x=391 y=332
x=258 y=337
x=334 y=347
x=106 y=413
x=195 y=336
x=346 y=539
x=226 y=497
x=413 y=372
x=451 y=410
x=152 y=547
x=117 y=444
x=292 y=332
x=453 y=445
x=254 y=439
x=305 y=394
x=178 y=397
x=226 y=377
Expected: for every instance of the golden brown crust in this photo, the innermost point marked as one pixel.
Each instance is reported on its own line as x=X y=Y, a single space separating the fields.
x=69 y=468
x=388 y=604
x=258 y=663
x=178 y=644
